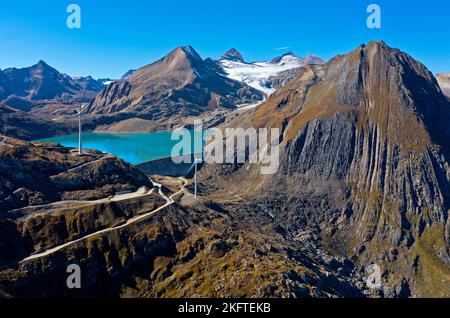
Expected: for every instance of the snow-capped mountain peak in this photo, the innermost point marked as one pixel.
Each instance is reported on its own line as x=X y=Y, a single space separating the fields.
x=233 y=55
x=285 y=56
x=258 y=74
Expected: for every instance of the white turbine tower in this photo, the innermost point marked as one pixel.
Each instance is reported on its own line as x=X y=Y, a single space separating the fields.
x=194 y=165
x=195 y=176
x=80 y=133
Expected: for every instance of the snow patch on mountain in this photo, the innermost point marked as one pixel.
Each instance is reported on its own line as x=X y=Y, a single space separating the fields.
x=106 y=81
x=257 y=74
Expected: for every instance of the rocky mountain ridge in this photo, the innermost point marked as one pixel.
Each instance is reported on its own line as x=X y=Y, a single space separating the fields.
x=43 y=82
x=365 y=155
x=177 y=86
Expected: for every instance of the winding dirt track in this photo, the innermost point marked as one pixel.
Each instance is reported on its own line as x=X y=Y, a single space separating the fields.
x=169 y=201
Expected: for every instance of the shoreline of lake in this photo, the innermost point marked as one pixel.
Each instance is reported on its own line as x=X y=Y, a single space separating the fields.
x=135 y=148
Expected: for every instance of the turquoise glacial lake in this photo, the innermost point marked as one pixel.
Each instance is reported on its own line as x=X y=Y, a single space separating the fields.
x=135 y=148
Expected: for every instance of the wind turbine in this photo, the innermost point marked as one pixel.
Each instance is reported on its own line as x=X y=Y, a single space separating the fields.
x=194 y=165
x=80 y=134
x=196 y=160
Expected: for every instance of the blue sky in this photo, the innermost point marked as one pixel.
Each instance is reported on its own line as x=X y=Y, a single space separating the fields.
x=119 y=35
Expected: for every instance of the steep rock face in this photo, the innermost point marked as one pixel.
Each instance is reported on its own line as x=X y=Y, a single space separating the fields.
x=387 y=137
x=365 y=157
x=178 y=85
x=282 y=78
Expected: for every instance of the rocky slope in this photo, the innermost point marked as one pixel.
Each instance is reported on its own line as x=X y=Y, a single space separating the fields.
x=364 y=162
x=23 y=125
x=179 y=85
x=39 y=173
x=282 y=78
x=194 y=248
x=36 y=229
x=187 y=250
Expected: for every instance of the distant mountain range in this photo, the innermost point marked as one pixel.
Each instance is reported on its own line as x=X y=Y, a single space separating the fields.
x=179 y=85
x=106 y=81
x=43 y=82
x=167 y=92
x=163 y=94
x=182 y=85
